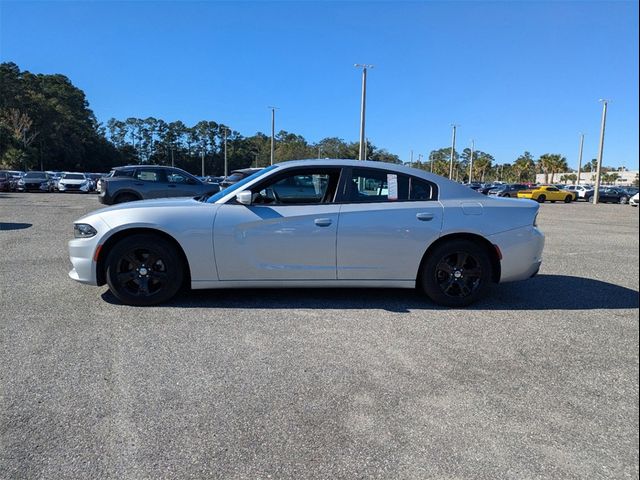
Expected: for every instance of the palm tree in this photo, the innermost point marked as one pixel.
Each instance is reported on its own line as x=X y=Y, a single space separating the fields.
x=523 y=166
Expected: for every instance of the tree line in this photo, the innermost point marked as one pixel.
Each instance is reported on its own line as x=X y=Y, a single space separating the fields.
x=46 y=123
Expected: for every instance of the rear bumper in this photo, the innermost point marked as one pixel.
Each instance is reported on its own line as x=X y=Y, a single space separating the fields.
x=521 y=252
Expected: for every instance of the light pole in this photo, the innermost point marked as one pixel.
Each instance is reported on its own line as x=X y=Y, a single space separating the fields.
x=596 y=193
x=473 y=145
x=411 y=159
x=580 y=157
x=453 y=149
x=225 y=153
x=202 y=156
x=362 y=153
x=172 y=162
x=273 y=133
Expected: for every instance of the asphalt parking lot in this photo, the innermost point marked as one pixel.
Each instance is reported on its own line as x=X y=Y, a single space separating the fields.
x=538 y=381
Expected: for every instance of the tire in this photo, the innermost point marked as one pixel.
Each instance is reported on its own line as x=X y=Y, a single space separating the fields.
x=541 y=199
x=506 y=195
x=125 y=197
x=568 y=199
x=623 y=200
x=133 y=281
x=456 y=274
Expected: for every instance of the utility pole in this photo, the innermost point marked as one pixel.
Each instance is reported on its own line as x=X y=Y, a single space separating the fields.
x=473 y=145
x=411 y=159
x=172 y=162
x=202 y=154
x=225 y=153
x=596 y=193
x=453 y=149
x=273 y=133
x=363 y=154
x=580 y=157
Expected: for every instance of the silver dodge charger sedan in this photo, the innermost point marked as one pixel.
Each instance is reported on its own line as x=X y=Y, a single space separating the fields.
x=313 y=223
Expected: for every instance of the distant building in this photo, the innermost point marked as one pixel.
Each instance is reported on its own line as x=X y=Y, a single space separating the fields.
x=626 y=177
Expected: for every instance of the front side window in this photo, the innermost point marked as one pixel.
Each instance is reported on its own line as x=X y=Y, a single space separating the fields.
x=299 y=188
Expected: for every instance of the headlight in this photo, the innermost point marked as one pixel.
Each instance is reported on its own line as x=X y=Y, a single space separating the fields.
x=83 y=230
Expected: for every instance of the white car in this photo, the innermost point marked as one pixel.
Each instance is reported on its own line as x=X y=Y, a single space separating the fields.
x=313 y=223
x=74 y=182
x=634 y=200
x=581 y=190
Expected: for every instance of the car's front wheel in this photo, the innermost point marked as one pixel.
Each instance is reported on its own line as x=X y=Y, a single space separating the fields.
x=568 y=199
x=456 y=273
x=624 y=200
x=144 y=269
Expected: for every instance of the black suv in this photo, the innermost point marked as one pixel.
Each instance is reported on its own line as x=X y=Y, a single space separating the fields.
x=142 y=182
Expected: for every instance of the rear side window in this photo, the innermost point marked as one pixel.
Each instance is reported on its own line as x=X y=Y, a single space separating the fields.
x=122 y=173
x=370 y=186
x=148 y=175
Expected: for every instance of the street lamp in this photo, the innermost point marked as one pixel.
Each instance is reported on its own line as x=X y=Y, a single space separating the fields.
x=596 y=193
x=473 y=145
x=453 y=149
x=362 y=153
x=273 y=133
x=580 y=157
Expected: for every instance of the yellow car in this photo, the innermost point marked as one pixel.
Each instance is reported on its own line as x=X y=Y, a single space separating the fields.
x=548 y=192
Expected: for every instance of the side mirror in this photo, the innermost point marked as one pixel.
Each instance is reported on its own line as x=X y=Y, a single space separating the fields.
x=245 y=197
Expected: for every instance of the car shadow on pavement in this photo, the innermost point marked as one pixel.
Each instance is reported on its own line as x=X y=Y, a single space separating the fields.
x=544 y=292
x=14 y=226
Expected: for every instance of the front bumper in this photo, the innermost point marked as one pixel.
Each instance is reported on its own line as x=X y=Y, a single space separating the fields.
x=82 y=252
x=521 y=250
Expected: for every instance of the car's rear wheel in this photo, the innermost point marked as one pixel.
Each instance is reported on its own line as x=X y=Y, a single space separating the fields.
x=568 y=199
x=456 y=273
x=144 y=270
x=541 y=198
x=624 y=200
x=507 y=195
x=125 y=197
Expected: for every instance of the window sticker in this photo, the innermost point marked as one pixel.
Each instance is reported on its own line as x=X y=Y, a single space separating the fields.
x=392 y=185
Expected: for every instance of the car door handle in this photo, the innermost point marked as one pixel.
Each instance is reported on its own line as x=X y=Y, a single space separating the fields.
x=322 y=222
x=424 y=216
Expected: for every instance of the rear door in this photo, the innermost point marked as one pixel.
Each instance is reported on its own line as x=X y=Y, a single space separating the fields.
x=387 y=221
x=150 y=182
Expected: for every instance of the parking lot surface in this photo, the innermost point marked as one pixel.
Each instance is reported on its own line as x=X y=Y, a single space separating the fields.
x=538 y=381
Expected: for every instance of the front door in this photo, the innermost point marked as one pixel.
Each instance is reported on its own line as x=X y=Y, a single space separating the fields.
x=288 y=233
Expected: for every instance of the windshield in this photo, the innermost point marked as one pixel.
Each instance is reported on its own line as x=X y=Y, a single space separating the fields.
x=73 y=176
x=35 y=175
x=237 y=186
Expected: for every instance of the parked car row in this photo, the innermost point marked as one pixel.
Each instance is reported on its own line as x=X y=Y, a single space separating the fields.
x=556 y=193
x=40 y=181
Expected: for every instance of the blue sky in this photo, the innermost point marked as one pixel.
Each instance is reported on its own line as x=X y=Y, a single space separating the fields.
x=514 y=75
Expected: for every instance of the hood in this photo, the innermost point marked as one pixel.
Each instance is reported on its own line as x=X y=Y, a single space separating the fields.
x=156 y=203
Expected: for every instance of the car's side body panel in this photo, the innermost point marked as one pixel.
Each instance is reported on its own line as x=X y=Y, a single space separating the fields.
x=385 y=240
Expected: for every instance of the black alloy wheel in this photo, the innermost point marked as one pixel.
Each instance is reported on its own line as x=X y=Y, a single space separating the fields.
x=542 y=198
x=457 y=273
x=144 y=270
x=568 y=199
